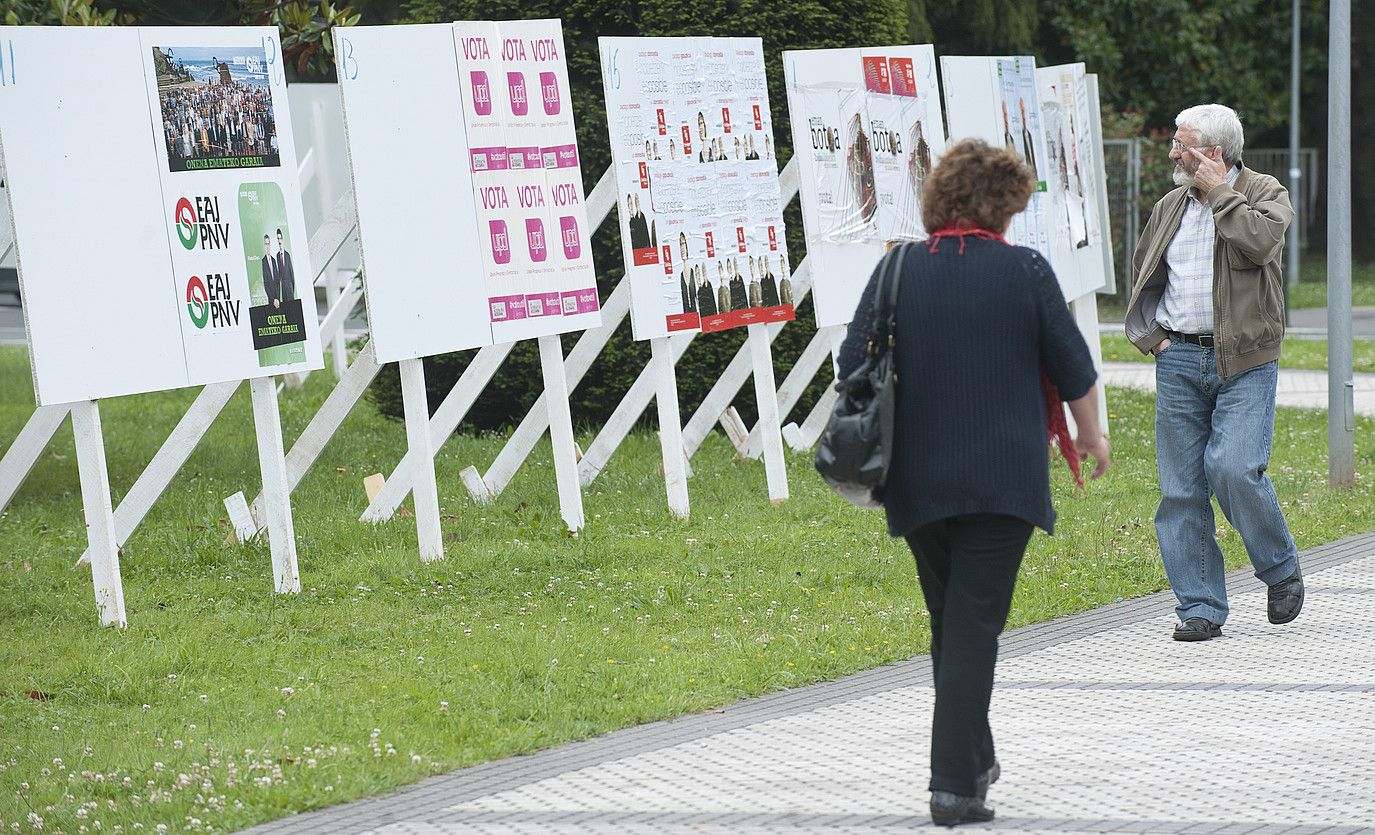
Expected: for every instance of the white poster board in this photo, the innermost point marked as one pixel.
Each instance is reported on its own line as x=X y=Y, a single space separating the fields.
x=996 y=100
x=1075 y=170
x=867 y=129
x=417 y=224
x=522 y=150
x=697 y=183
x=144 y=166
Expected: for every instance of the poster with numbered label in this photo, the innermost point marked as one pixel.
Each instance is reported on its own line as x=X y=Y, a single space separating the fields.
x=425 y=287
x=193 y=267
x=867 y=129
x=996 y=100
x=697 y=183
x=526 y=178
x=1068 y=109
x=493 y=245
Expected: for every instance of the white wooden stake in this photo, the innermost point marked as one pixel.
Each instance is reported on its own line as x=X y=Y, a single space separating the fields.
x=333 y=287
x=795 y=385
x=561 y=431
x=168 y=460
x=421 y=453
x=19 y=459
x=1085 y=311
x=326 y=422
x=100 y=521
x=623 y=418
x=670 y=428
x=281 y=533
x=522 y=441
x=812 y=427
x=804 y=437
x=766 y=394
x=445 y=420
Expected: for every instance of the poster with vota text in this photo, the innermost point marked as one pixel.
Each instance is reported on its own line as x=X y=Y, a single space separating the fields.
x=995 y=99
x=425 y=287
x=229 y=183
x=1074 y=179
x=697 y=183
x=527 y=178
x=867 y=129
x=155 y=292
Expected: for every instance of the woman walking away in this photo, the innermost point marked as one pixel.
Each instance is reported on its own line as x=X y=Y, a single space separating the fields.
x=984 y=347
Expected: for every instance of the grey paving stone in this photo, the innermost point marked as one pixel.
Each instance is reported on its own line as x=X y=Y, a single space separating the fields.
x=1094 y=715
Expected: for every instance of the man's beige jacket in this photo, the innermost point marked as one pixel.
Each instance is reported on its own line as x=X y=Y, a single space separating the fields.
x=1252 y=217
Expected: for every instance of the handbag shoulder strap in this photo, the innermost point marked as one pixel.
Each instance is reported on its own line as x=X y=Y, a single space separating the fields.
x=886 y=299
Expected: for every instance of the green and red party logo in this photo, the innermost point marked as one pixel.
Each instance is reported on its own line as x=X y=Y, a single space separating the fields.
x=187 y=227
x=197 y=301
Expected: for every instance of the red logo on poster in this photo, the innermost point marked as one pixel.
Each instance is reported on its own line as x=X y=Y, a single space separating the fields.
x=740 y=237
x=773 y=239
x=644 y=175
x=758 y=119
x=876 y=75
x=687 y=140
x=904 y=76
x=711 y=246
x=725 y=118
x=663 y=125
x=668 y=260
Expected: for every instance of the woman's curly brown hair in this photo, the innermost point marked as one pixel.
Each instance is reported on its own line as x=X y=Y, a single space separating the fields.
x=975 y=184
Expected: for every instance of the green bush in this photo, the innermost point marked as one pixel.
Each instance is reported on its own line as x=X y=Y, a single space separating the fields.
x=793 y=25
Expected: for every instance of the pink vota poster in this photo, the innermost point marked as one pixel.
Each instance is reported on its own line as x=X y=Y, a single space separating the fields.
x=527 y=176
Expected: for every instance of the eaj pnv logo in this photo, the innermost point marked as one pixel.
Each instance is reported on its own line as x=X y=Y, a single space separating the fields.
x=197 y=220
x=197 y=303
x=185 y=218
x=211 y=301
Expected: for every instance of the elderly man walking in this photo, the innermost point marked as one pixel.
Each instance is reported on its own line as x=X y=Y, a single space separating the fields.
x=1207 y=302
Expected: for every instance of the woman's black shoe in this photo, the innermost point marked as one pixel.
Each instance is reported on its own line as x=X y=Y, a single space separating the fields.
x=949 y=809
x=988 y=778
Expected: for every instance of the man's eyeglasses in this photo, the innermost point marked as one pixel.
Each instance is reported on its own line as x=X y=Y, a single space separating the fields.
x=1176 y=145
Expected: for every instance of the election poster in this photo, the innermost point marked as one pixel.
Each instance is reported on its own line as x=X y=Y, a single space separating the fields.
x=527 y=178
x=867 y=128
x=160 y=292
x=229 y=181
x=697 y=183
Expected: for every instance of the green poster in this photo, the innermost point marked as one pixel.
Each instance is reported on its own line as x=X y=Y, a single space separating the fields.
x=277 y=310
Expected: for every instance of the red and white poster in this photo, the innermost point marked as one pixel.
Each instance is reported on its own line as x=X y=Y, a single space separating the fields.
x=701 y=221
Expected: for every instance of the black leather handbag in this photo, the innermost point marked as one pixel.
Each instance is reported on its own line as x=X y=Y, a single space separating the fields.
x=857 y=445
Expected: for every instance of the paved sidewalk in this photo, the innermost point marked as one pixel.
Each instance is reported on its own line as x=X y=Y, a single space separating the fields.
x=1103 y=723
x=1299 y=389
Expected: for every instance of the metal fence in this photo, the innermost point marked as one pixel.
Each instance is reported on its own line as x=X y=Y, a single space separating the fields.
x=1128 y=207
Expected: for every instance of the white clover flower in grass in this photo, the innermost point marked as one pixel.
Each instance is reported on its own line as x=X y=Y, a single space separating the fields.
x=287 y=692
x=281 y=714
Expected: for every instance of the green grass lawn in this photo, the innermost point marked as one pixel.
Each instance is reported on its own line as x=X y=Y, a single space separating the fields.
x=1308 y=354
x=223 y=705
x=1311 y=291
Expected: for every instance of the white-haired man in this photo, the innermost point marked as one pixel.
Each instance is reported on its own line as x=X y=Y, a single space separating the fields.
x=1207 y=302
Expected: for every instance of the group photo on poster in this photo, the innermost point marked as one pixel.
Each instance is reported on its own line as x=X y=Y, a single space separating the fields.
x=215 y=105
x=276 y=313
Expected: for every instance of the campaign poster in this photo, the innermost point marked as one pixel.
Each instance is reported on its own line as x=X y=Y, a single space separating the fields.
x=215 y=107
x=527 y=178
x=275 y=310
x=1019 y=105
x=233 y=203
x=867 y=128
x=697 y=177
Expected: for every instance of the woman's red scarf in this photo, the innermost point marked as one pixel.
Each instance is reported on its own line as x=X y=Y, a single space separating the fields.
x=1057 y=428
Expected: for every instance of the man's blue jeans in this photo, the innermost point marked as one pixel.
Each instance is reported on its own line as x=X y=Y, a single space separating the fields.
x=1213 y=438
